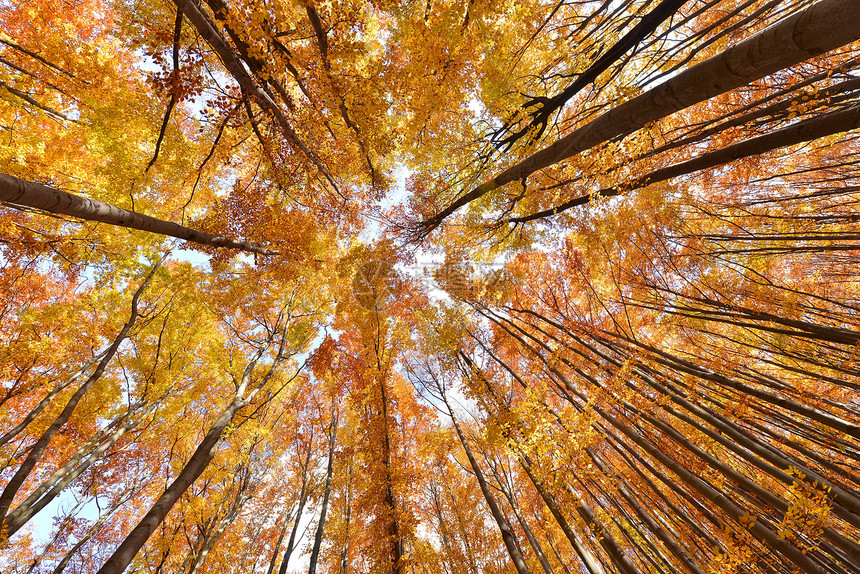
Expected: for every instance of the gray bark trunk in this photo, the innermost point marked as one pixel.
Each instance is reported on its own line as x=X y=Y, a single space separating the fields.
x=812 y=129
x=29 y=194
x=41 y=444
x=504 y=527
x=318 y=537
x=824 y=26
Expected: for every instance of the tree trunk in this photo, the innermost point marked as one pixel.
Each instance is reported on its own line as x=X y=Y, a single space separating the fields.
x=667 y=539
x=237 y=70
x=303 y=497
x=25 y=193
x=395 y=535
x=344 y=553
x=35 y=411
x=533 y=541
x=277 y=549
x=808 y=130
x=42 y=443
x=126 y=551
x=201 y=458
x=824 y=26
x=61 y=566
x=63 y=476
x=504 y=527
x=545 y=108
x=318 y=537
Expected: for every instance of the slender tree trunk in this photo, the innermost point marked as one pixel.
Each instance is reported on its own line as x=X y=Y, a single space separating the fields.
x=212 y=538
x=670 y=542
x=35 y=411
x=473 y=564
x=616 y=553
x=533 y=541
x=62 y=526
x=646 y=25
x=758 y=529
x=63 y=476
x=849 y=502
x=237 y=70
x=303 y=497
x=276 y=551
x=318 y=537
x=91 y=531
x=812 y=129
x=344 y=553
x=395 y=535
x=501 y=522
x=444 y=530
x=201 y=458
x=41 y=444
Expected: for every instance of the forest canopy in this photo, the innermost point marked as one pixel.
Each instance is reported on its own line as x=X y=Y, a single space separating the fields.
x=459 y=287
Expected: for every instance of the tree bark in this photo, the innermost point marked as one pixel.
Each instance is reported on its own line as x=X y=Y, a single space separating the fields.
x=35 y=411
x=303 y=497
x=501 y=522
x=808 y=130
x=202 y=24
x=533 y=541
x=91 y=531
x=824 y=26
x=20 y=192
x=318 y=537
x=41 y=444
x=198 y=462
x=205 y=452
x=63 y=476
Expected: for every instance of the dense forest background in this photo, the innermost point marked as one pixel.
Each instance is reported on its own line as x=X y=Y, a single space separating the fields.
x=457 y=287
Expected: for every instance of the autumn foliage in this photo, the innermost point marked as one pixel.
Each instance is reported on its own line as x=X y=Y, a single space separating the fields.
x=413 y=287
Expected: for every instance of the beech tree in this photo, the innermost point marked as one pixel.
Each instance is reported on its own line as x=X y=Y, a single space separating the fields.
x=414 y=287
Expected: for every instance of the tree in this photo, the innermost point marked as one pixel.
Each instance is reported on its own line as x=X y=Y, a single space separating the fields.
x=471 y=287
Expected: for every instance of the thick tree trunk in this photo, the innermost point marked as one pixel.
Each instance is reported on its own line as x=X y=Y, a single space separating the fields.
x=812 y=129
x=198 y=462
x=29 y=194
x=824 y=26
x=126 y=551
